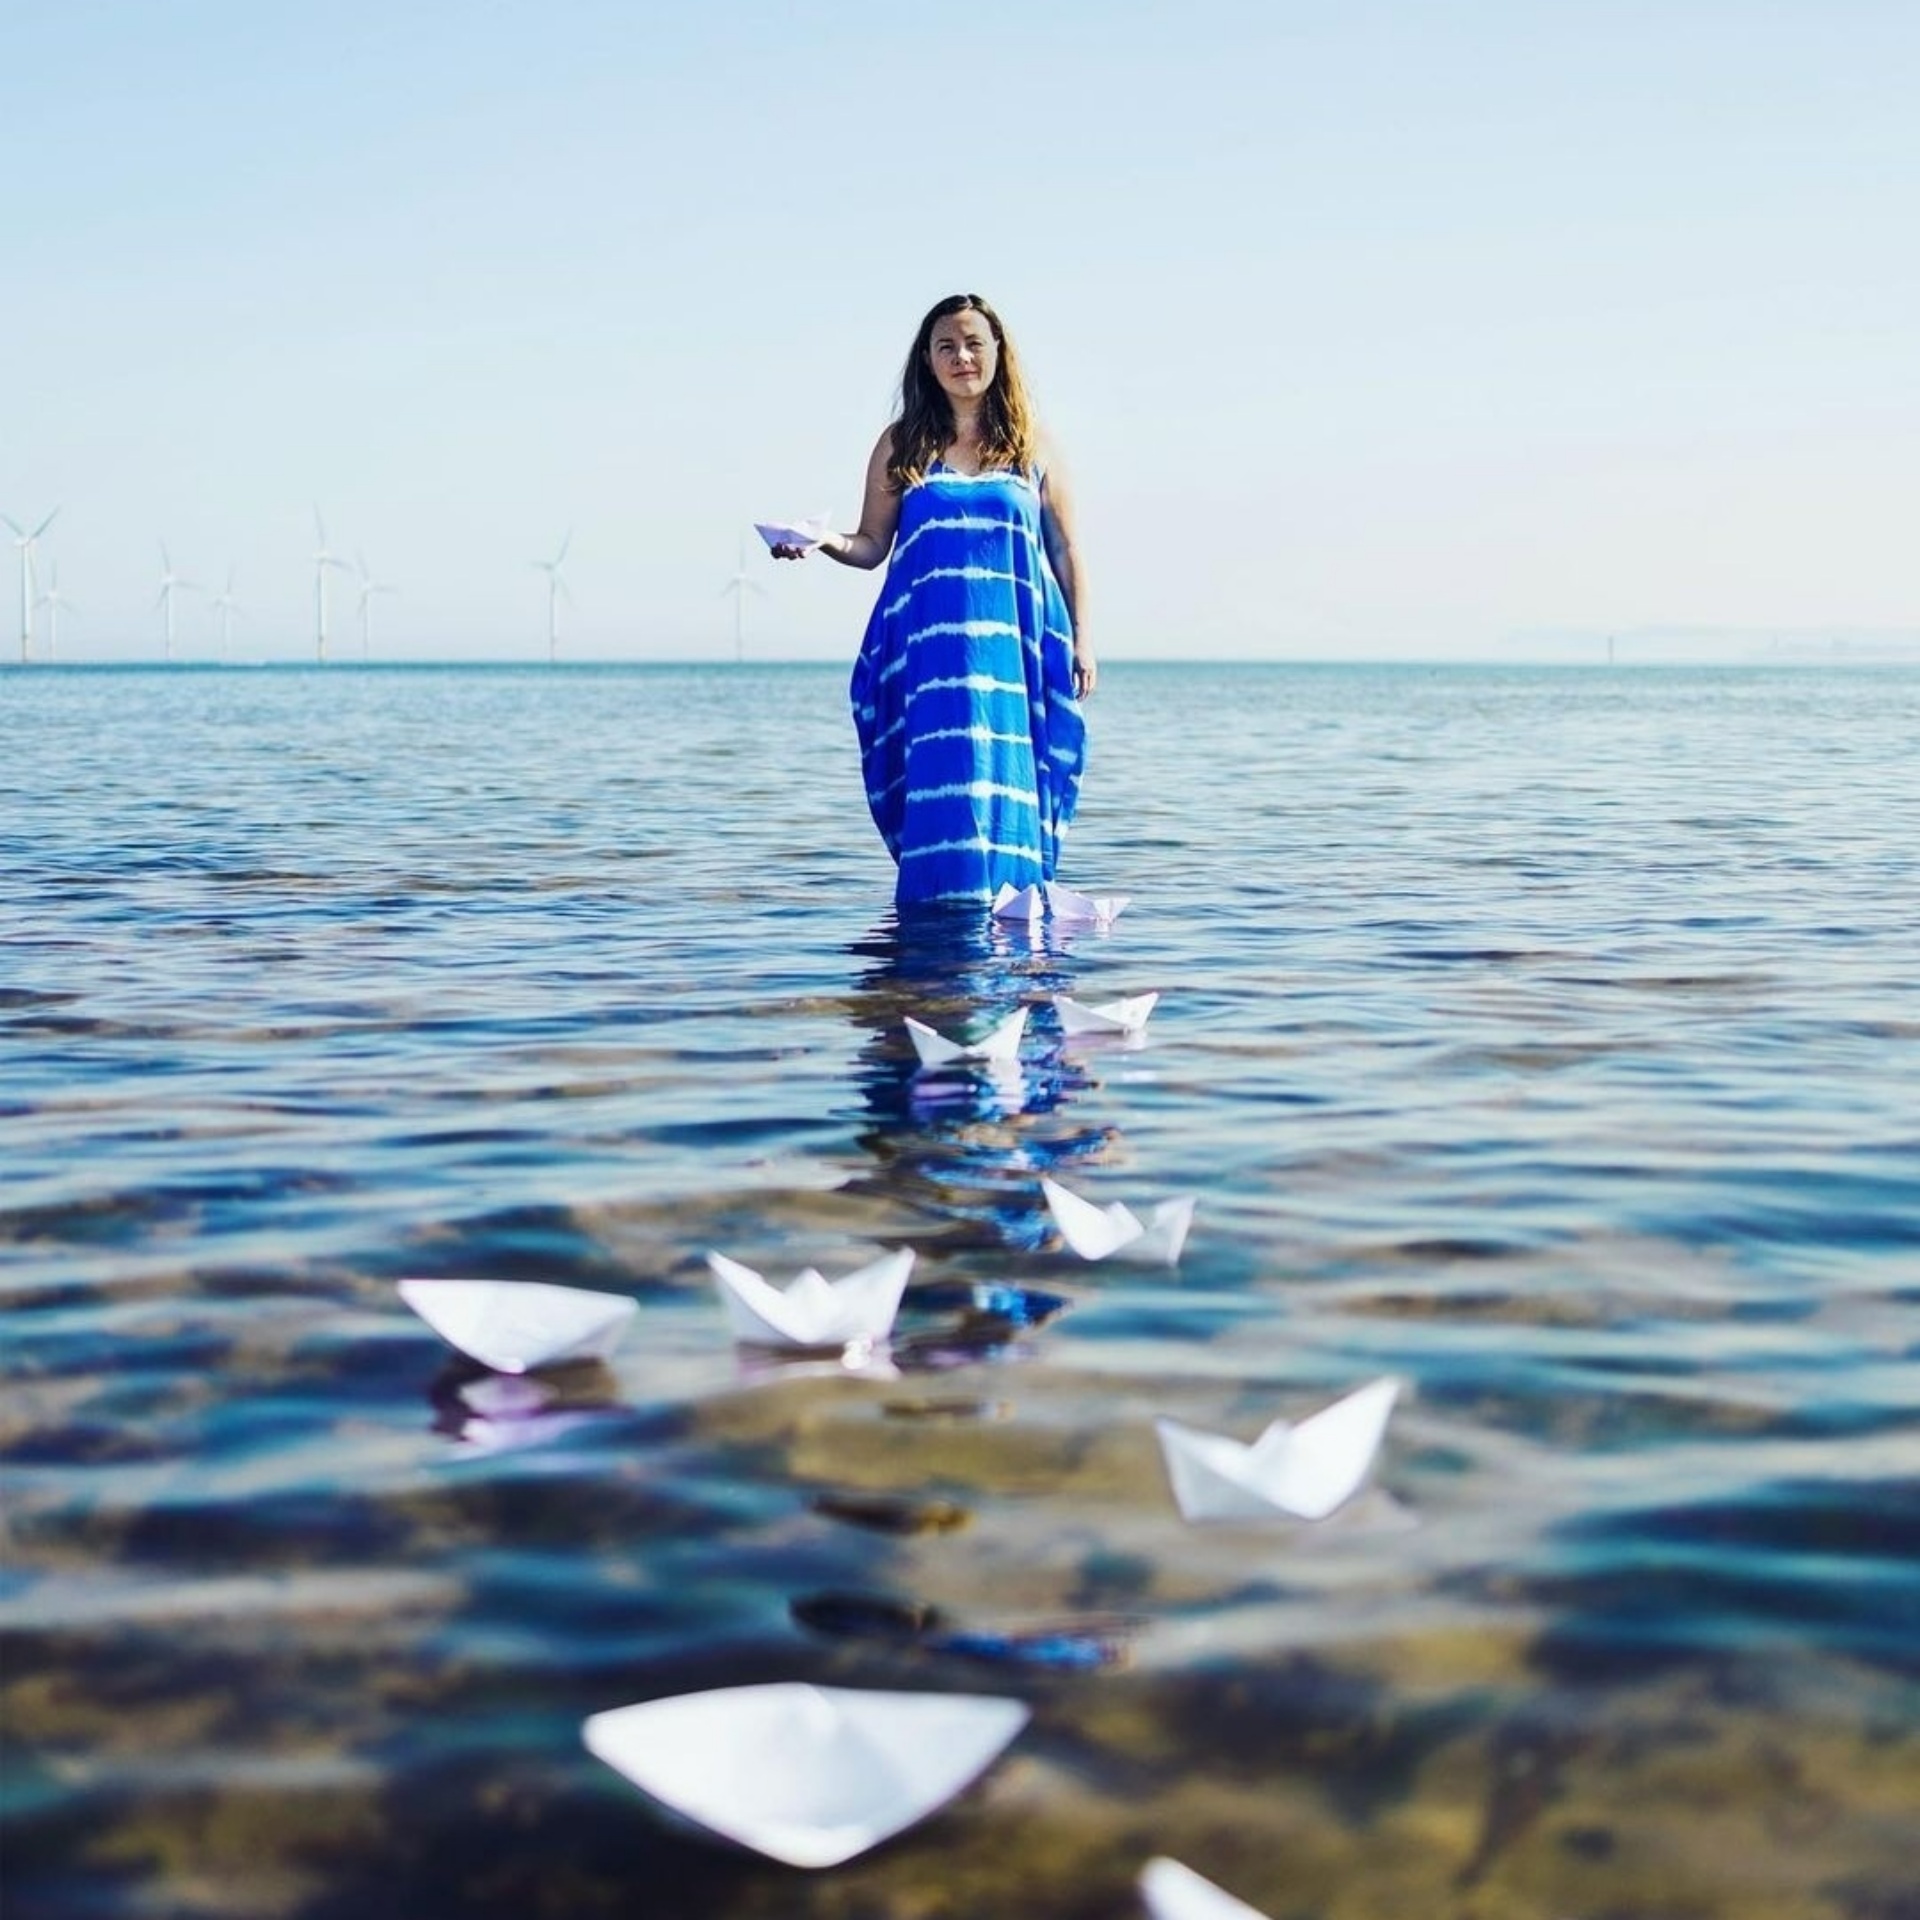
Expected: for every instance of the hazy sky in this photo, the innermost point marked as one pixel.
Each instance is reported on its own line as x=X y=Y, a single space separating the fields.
x=1366 y=328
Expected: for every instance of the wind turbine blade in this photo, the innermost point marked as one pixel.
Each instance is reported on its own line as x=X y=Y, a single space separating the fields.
x=14 y=524
x=564 y=545
x=45 y=524
x=320 y=527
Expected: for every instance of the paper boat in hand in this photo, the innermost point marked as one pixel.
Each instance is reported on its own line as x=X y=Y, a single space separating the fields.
x=1078 y=1020
x=1114 y=1231
x=813 y=1311
x=512 y=1325
x=1305 y=1471
x=1174 y=1892
x=795 y=533
x=936 y=1050
x=1019 y=903
x=808 y=1775
x=1084 y=909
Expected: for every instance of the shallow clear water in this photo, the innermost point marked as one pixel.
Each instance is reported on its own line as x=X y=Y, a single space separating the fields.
x=1548 y=1039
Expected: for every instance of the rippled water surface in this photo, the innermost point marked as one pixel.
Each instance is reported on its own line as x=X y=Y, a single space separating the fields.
x=1548 y=1040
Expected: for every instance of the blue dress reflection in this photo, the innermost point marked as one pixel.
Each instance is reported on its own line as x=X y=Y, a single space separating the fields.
x=967 y=1143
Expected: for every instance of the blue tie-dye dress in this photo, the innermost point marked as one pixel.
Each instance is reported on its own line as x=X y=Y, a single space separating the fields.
x=971 y=740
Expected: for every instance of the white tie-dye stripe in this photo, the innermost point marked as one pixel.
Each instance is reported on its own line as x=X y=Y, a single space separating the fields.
x=956 y=523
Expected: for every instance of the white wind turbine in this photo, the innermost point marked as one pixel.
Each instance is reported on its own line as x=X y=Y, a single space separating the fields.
x=742 y=584
x=26 y=542
x=369 y=586
x=170 y=583
x=556 y=592
x=226 y=606
x=53 y=600
x=323 y=558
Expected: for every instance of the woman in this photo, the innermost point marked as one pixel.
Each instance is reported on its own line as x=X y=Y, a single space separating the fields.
x=967 y=688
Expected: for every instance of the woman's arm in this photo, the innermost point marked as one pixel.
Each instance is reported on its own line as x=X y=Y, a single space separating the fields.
x=869 y=546
x=1057 y=530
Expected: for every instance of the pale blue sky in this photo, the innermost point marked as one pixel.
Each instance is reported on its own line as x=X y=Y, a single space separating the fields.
x=1366 y=329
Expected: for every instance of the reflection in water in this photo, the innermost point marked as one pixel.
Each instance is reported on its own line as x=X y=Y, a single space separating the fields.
x=858 y=1359
x=949 y=1324
x=1081 y=1645
x=1010 y=1304
x=967 y=1142
x=989 y=1318
x=490 y=1413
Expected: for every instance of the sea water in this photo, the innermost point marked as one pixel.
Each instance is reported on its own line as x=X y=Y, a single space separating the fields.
x=1545 y=1039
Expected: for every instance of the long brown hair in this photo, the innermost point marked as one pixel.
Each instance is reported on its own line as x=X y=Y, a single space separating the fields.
x=1008 y=436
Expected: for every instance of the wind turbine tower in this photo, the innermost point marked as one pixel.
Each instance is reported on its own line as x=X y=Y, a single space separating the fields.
x=369 y=586
x=170 y=583
x=323 y=558
x=556 y=592
x=742 y=584
x=53 y=600
x=26 y=542
x=226 y=606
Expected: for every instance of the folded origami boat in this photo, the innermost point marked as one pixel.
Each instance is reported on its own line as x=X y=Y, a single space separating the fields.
x=1049 y=900
x=813 y=1311
x=1174 y=1892
x=937 y=1050
x=1116 y=1231
x=1084 y=909
x=513 y=1325
x=809 y=1775
x=1130 y=1015
x=1305 y=1471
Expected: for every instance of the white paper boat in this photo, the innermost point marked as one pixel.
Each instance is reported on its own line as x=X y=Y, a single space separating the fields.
x=1305 y=1471
x=1115 y=1231
x=813 y=1311
x=936 y=1050
x=511 y=1325
x=1019 y=903
x=808 y=1775
x=1084 y=909
x=1174 y=1892
x=1077 y=1019
x=794 y=533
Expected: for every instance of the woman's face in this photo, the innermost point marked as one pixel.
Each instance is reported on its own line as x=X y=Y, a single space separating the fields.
x=963 y=355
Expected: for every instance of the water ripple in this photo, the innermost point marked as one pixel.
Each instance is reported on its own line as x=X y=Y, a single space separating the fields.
x=1545 y=1039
